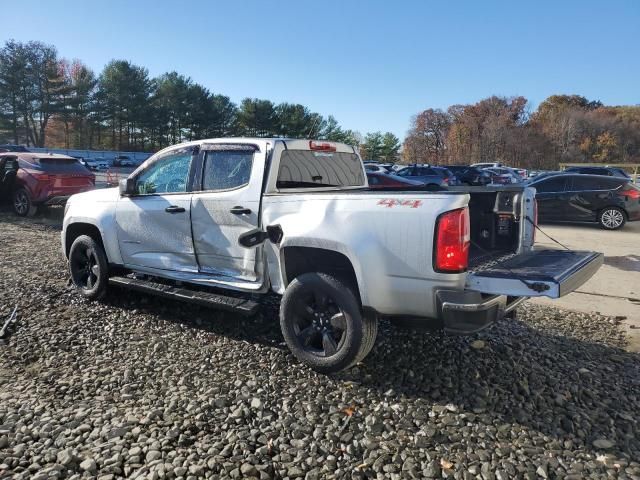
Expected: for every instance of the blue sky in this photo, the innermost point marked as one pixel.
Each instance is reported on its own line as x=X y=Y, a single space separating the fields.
x=371 y=64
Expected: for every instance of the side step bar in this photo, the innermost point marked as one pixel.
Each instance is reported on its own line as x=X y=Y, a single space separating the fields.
x=213 y=300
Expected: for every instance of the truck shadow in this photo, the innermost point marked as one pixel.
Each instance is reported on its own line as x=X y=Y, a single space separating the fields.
x=628 y=263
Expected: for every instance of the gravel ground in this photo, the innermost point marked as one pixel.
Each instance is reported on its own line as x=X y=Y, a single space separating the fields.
x=137 y=386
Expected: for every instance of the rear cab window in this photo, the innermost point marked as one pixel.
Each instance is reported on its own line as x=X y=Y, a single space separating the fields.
x=317 y=169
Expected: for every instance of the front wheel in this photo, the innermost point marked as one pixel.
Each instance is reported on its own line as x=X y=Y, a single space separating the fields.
x=611 y=218
x=89 y=267
x=322 y=323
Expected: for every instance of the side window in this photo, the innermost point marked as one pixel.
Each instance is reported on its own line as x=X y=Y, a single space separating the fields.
x=224 y=170
x=549 y=185
x=169 y=174
x=373 y=180
x=588 y=183
x=405 y=172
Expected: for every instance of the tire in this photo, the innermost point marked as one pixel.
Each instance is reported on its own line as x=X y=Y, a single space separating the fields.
x=22 y=204
x=88 y=267
x=322 y=323
x=612 y=218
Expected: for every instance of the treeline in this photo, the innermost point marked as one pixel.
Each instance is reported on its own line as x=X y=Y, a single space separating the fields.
x=564 y=128
x=52 y=102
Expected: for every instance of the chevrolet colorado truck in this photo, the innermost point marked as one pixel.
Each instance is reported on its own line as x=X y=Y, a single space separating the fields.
x=223 y=222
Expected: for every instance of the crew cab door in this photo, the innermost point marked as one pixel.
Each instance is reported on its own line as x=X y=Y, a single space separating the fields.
x=226 y=205
x=550 y=273
x=154 y=225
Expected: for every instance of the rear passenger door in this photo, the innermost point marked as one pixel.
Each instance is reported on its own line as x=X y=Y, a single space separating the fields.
x=226 y=206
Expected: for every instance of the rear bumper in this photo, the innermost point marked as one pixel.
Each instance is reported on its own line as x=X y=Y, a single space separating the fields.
x=466 y=312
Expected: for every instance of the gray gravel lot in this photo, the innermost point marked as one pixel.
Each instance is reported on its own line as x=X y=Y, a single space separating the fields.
x=137 y=386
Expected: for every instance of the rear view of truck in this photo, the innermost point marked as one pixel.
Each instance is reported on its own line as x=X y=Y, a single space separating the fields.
x=501 y=265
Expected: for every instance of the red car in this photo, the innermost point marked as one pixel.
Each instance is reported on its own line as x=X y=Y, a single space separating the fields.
x=42 y=179
x=384 y=180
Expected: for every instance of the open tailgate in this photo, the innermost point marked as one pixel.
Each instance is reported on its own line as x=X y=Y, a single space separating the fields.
x=551 y=273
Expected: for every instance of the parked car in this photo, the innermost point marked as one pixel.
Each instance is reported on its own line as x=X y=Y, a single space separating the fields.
x=13 y=148
x=45 y=179
x=423 y=173
x=524 y=174
x=123 y=161
x=610 y=201
x=487 y=165
x=97 y=164
x=379 y=180
x=609 y=171
x=503 y=175
x=294 y=217
x=449 y=177
x=375 y=167
x=470 y=175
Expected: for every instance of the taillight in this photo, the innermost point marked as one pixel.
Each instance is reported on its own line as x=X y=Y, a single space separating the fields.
x=322 y=146
x=445 y=180
x=451 y=254
x=631 y=192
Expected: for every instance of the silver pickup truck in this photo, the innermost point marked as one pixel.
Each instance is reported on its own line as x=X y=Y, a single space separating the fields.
x=222 y=222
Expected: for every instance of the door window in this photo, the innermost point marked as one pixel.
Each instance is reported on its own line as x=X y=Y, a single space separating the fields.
x=550 y=185
x=579 y=184
x=169 y=174
x=225 y=170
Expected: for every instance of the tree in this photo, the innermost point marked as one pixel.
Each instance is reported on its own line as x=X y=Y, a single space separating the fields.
x=257 y=118
x=124 y=92
x=390 y=147
x=31 y=86
x=426 y=141
x=371 y=149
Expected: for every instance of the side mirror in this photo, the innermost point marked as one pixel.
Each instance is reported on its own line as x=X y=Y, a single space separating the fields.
x=127 y=187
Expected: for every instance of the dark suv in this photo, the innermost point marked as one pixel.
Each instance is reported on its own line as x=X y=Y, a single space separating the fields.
x=610 y=201
x=608 y=171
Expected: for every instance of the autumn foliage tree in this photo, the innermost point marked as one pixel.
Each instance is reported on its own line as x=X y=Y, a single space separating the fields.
x=564 y=128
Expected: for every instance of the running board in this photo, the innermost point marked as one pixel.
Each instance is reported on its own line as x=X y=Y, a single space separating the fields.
x=213 y=300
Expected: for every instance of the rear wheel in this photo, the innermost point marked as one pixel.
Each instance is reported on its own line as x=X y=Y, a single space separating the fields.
x=322 y=323
x=22 y=204
x=89 y=267
x=612 y=218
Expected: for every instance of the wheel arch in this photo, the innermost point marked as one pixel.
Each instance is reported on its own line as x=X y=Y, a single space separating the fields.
x=298 y=260
x=76 y=229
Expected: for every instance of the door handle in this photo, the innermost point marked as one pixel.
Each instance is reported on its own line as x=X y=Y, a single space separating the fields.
x=174 y=209
x=238 y=210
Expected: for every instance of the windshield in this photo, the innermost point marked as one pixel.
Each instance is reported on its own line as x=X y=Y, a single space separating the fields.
x=309 y=169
